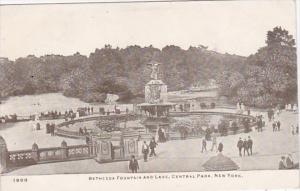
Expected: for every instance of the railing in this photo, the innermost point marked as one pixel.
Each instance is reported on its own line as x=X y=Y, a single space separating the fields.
x=20 y=158
x=179 y=114
x=47 y=155
x=119 y=117
x=79 y=151
x=71 y=134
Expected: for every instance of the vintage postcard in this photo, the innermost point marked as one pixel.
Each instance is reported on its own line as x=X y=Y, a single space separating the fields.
x=127 y=93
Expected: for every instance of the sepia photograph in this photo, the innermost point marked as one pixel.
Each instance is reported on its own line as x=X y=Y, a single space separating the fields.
x=148 y=87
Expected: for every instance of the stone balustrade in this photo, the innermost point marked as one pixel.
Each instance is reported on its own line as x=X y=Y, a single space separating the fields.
x=19 y=158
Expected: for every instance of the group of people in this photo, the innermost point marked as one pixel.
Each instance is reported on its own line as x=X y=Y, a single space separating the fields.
x=89 y=110
x=276 y=125
x=51 y=114
x=245 y=146
x=259 y=123
x=240 y=106
x=50 y=129
x=82 y=131
x=290 y=107
x=295 y=130
x=287 y=162
x=213 y=146
x=149 y=148
x=8 y=118
x=115 y=110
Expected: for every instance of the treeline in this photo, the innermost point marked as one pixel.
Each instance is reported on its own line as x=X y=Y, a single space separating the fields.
x=262 y=79
x=112 y=70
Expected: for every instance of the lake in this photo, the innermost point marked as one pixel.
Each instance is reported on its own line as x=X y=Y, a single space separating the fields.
x=33 y=104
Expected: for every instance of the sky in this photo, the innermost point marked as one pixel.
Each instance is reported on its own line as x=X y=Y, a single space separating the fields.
x=235 y=27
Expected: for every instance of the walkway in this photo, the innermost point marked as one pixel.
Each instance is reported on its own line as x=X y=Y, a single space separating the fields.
x=185 y=155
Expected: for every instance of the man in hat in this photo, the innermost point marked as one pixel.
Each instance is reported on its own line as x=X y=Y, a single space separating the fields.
x=250 y=144
x=282 y=164
x=145 y=151
x=152 y=146
x=274 y=126
x=133 y=164
x=203 y=145
x=214 y=142
x=220 y=147
x=240 y=146
x=246 y=147
x=278 y=125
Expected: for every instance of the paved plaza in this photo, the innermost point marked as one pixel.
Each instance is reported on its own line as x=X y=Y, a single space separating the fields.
x=185 y=155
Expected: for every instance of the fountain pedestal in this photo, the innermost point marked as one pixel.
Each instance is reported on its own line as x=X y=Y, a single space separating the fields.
x=156 y=106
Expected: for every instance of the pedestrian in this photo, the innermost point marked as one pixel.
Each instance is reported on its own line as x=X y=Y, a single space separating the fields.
x=48 y=128
x=274 y=126
x=80 y=131
x=259 y=125
x=38 y=126
x=214 y=142
x=282 y=164
x=220 y=147
x=295 y=108
x=161 y=136
x=290 y=164
x=52 y=129
x=293 y=129
x=250 y=144
x=297 y=129
x=152 y=146
x=240 y=146
x=145 y=151
x=289 y=161
x=203 y=145
x=278 y=125
x=245 y=146
x=133 y=164
x=87 y=140
x=85 y=130
x=270 y=114
x=92 y=110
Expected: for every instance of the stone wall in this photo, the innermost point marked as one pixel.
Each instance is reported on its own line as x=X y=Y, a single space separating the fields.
x=14 y=159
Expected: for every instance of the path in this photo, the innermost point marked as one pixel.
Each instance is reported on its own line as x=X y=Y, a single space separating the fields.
x=185 y=155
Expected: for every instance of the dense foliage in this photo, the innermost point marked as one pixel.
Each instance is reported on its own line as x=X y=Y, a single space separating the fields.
x=262 y=79
x=108 y=70
x=269 y=77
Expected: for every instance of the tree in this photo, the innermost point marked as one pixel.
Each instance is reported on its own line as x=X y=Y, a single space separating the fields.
x=269 y=77
x=279 y=36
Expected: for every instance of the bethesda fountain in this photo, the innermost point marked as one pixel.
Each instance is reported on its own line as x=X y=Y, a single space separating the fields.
x=121 y=145
x=156 y=107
